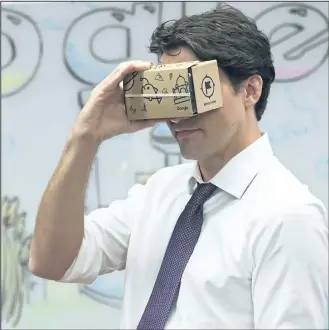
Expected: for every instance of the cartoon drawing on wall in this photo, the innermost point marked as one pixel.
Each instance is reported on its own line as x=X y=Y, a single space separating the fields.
x=88 y=56
x=299 y=39
x=94 y=44
x=162 y=140
x=21 y=51
x=16 y=280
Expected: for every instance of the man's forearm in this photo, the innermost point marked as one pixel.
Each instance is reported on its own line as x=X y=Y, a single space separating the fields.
x=60 y=219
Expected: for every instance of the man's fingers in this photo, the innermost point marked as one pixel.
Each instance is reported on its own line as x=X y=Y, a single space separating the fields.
x=130 y=67
x=113 y=80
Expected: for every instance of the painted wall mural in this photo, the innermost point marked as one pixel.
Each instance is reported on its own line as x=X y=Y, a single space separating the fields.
x=52 y=57
x=88 y=55
x=295 y=42
x=21 y=51
x=16 y=282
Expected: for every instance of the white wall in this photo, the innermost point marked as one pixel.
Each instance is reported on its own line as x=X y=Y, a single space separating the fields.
x=47 y=65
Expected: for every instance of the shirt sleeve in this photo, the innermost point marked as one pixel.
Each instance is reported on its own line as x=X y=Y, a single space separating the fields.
x=106 y=238
x=290 y=275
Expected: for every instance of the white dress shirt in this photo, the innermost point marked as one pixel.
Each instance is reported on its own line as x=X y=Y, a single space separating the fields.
x=261 y=261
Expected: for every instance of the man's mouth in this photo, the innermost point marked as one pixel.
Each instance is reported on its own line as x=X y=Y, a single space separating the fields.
x=185 y=132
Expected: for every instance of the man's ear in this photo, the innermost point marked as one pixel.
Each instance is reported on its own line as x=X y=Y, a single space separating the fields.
x=253 y=86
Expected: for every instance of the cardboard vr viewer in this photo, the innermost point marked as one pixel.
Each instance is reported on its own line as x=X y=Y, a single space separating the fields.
x=173 y=90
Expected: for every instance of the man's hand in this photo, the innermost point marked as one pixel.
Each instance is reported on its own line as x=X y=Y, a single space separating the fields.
x=104 y=115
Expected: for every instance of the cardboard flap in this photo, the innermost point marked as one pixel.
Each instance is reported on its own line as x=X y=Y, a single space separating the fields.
x=207 y=86
x=174 y=66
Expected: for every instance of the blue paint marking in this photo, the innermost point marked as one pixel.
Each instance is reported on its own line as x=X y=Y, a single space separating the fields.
x=162 y=130
x=82 y=66
x=90 y=6
x=96 y=75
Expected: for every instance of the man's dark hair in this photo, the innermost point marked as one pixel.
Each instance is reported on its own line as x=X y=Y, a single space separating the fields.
x=224 y=34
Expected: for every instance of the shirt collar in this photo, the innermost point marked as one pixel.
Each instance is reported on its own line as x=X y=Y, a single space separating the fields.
x=239 y=172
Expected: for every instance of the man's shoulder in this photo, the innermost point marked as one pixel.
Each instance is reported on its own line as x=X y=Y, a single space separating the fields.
x=280 y=183
x=280 y=192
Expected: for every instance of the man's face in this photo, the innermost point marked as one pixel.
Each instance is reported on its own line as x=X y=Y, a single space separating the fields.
x=209 y=134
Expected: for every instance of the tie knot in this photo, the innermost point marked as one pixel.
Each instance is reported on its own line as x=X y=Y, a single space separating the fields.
x=202 y=193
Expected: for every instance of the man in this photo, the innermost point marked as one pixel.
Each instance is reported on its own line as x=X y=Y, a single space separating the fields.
x=232 y=240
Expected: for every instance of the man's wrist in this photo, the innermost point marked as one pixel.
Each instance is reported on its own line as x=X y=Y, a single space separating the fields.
x=84 y=140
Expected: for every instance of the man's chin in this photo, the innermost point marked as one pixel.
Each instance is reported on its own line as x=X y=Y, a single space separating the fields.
x=188 y=154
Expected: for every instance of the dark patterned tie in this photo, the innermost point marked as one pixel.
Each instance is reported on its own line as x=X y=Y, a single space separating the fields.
x=179 y=250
